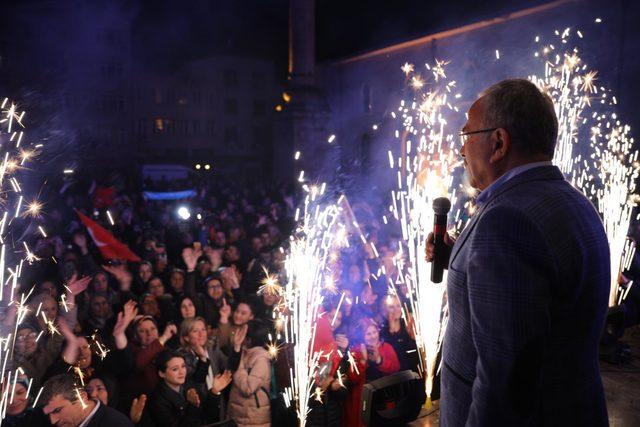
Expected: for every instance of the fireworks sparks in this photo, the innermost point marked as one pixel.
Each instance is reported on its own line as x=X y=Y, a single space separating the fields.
x=425 y=161
x=18 y=214
x=407 y=68
x=595 y=150
x=33 y=209
x=269 y=285
x=416 y=82
x=323 y=229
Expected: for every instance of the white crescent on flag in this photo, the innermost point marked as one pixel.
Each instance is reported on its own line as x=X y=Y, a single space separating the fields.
x=96 y=241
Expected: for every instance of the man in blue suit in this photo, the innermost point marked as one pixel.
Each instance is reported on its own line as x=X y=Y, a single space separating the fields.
x=528 y=279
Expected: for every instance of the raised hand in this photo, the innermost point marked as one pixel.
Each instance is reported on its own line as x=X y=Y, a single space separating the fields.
x=225 y=312
x=120 y=272
x=342 y=341
x=239 y=336
x=193 y=398
x=137 y=406
x=190 y=257
x=363 y=352
x=81 y=240
x=230 y=275
x=64 y=328
x=169 y=331
x=210 y=253
x=125 y=317
x=221 y=381
x=76 y=286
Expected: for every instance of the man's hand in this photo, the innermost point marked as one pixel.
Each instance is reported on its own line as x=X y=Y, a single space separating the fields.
x=137 y=406
x=220 y=382
x=430 y=247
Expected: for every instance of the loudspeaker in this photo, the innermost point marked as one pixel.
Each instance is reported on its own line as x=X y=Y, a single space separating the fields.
x=392 y=400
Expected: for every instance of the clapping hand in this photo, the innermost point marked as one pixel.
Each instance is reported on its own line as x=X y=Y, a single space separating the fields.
x=137 y=406
x=193 y=398
x=220 y=382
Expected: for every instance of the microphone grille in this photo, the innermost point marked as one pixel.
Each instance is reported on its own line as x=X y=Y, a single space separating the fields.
x=441 y=206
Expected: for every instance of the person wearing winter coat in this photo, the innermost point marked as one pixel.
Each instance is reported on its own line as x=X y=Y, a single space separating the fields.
x=249 y=398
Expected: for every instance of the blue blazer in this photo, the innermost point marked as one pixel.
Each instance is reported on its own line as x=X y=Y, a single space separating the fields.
x=528 y=288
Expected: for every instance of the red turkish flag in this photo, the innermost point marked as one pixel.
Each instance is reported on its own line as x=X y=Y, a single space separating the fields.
x=109 y=246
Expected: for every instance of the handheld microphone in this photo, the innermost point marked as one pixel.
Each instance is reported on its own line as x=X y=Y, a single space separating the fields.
x=441 y=207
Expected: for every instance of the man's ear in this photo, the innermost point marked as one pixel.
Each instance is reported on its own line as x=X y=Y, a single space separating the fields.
x=84 y=396
x=500 y=144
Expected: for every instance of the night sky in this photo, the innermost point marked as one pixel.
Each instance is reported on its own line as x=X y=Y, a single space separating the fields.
x=166 y=32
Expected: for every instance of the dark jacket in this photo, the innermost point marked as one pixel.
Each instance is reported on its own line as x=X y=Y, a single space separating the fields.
x=169 y=408
x=528 y=287
x=109 y=417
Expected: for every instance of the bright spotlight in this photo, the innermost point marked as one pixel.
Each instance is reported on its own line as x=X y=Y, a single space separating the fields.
x=183 y=213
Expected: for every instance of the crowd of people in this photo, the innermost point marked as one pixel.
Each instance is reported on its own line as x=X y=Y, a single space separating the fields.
x=184 y=336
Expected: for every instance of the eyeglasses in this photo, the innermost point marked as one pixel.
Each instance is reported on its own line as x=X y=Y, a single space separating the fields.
x=30 y=335
x=464 y=136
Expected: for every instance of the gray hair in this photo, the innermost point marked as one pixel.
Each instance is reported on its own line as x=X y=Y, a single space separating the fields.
x=518 y=106
x=59 y=385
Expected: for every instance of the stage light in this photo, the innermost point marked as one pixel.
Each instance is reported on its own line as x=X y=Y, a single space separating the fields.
x=207 y=166
x=392 y=400
x=183 y=213
x=198 y=166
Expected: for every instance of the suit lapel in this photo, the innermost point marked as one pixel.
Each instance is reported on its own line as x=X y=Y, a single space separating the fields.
x=465 y=234
x=541 y=173
x=97 y=417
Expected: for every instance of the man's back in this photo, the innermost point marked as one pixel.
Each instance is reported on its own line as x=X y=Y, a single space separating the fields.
x=528 y=289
